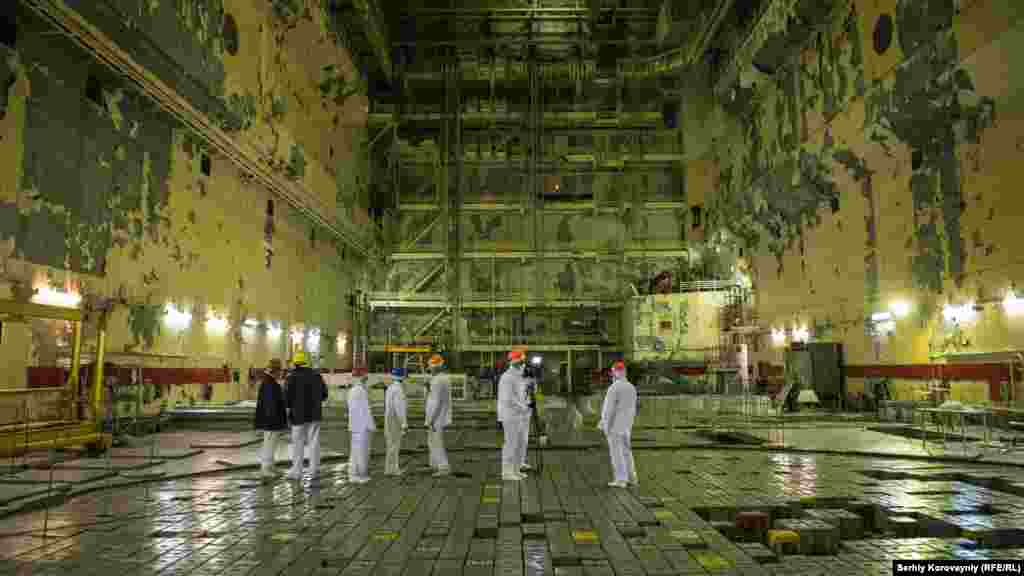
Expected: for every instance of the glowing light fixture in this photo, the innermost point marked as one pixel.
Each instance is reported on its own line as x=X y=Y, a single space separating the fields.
x=176 y=318
x=959 y=314
x=778 y=337
x=536 y=360
x=51 y=297
x=900 y=308
x=1012 y=304
x=341 y=342
x=216 y=322
x=313 y=341
x=296 y=336
x=881 y=317
x=252 y=323
x=801 y=334
x=274 y=330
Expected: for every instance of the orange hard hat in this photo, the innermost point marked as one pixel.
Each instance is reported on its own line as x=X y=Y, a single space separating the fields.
x=435 y=360
x=620 y=365
x=516 y=356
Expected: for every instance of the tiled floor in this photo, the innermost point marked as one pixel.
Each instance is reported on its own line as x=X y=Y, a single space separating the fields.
x=855 y=514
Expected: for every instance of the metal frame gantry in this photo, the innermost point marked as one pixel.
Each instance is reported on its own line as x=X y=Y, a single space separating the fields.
x=72 y=431
x=451 y=120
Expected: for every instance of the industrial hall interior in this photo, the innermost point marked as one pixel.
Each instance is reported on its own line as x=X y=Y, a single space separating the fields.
x=511 y=287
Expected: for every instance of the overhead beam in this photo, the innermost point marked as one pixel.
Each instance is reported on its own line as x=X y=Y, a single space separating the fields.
x=429 y=323
x=682 y=57
x=665 y=206
x=395 y=301
x=426 y=230
x=240 y=152
x=522 y=40
x=430 y=275
x=550 y=255
x=532 y=13
x=774 y=20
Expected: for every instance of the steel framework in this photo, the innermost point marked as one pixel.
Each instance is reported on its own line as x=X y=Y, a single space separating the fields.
x=70 y=430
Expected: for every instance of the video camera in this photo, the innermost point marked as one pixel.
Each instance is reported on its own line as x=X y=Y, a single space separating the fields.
x=534 y=369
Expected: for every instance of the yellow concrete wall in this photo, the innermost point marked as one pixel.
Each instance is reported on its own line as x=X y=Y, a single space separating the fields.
x=211 y=254
x=825 y=280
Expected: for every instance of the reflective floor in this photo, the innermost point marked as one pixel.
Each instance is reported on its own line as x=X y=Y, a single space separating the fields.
x=698 y=510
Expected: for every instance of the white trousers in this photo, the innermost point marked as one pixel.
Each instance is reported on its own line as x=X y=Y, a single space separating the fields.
x=438 y=454
x=512 y=452
x=270 y=440
x=306 y=436
x=394 y=447
x=621 y=454
x=524 y=440
x=359 y=455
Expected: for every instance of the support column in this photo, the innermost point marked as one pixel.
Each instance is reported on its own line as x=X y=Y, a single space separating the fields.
x=74 y=382
x=97 y=380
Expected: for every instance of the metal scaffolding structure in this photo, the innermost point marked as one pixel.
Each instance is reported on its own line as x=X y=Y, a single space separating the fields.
x=502 y=89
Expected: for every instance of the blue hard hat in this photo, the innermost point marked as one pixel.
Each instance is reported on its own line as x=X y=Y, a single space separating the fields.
x=398 y=372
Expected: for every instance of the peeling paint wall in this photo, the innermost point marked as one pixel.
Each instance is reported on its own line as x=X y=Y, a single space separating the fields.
x=880 y=169
x=102 y=191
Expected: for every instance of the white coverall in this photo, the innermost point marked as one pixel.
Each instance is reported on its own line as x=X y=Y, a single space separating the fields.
x=514 y=414
x=360 y=423
x=394 y=425
x=617 y=416
x=438 y=417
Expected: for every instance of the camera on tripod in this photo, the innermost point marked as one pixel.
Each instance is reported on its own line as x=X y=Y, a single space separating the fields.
x=534 y=369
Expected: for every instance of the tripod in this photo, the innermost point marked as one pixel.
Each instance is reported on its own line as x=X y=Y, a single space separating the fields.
x=539 y=432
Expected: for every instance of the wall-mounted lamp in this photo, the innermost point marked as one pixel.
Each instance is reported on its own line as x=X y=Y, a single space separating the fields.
x=341 y=342
x=313 y=341
x=251 y=323
x=899 y=308
x=881 y=317
x=801 y=334
x=215 y=322
x=296 y=336
x=176 y=318
x=778 y=337
x=1012 y=304
x=51 y=297
x=274 y=330
x=959 y=314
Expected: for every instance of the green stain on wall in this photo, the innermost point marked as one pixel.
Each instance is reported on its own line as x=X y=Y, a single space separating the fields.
x=144 y=321
x=336 y=86
x=296 y=168
x=243 y=112
x=924 y=106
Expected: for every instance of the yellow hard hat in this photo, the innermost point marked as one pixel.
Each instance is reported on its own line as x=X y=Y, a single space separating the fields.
x=435 y=360
x=299 y=358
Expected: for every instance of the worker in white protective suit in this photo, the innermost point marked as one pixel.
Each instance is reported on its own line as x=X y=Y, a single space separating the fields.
x=438 y=415
x=361 y=425
x=394 y=422
x=513 y=413
x=617 y=416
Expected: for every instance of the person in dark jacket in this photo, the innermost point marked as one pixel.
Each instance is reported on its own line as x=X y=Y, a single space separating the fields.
x=271 y=416
x=305 y=391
